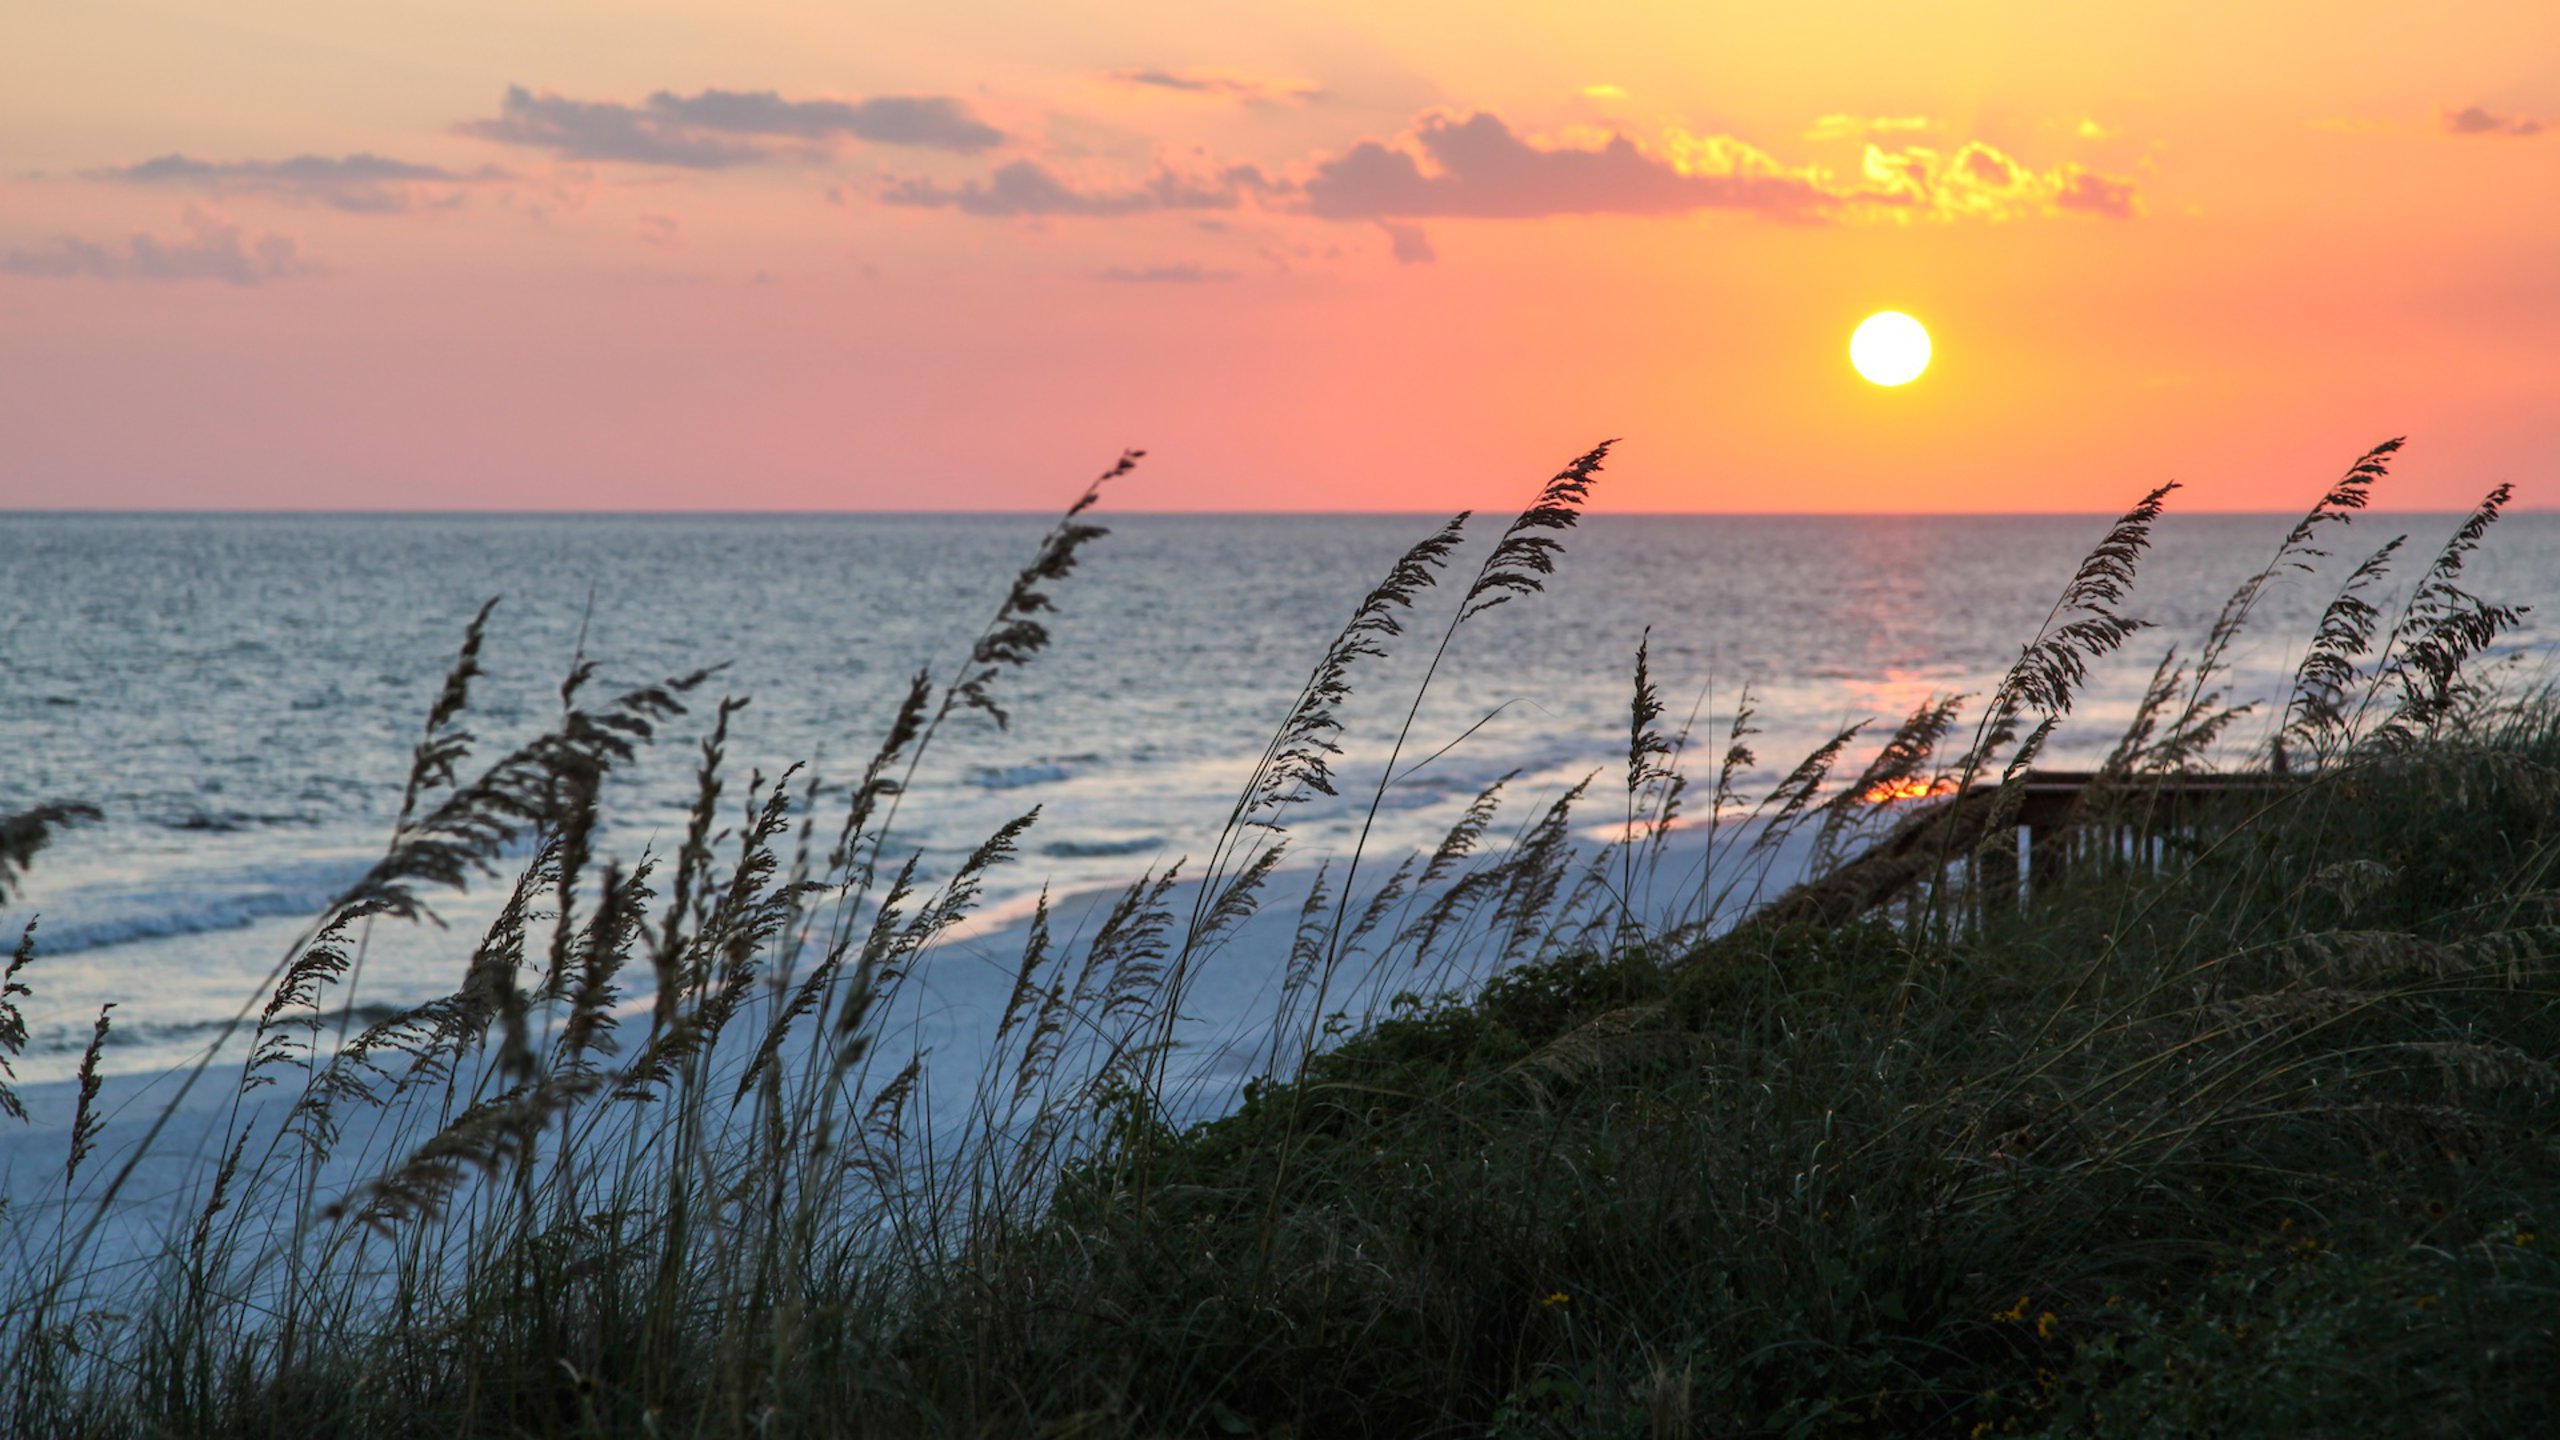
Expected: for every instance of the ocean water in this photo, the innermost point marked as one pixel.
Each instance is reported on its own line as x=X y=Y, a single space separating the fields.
x=239 y=694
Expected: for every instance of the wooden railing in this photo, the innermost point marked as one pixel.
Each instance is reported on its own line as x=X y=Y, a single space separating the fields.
x=2069 y=818
x=2054 y=821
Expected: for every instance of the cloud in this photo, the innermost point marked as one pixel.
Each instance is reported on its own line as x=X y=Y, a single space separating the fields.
x=362 y=183
x=1860 y=127
x=664 y=231
x=718 y=129
x=212 y=249
x=593 y=130
x=1477 y=167
x=1244 y=89
x=2478 y=120
x=1027 y=188
x=1408 y=244
x=1979 y=182
x=1185 y=274
x=1603 y=91
x=934 y=122
x=2091 y=193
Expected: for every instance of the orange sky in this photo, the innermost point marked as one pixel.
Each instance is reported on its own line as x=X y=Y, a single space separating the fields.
x=782 y=253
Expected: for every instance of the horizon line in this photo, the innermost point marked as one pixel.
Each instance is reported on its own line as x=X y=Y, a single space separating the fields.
x=673 y=513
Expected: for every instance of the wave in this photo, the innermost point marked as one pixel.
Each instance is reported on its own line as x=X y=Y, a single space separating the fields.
x=1016 y=777
x=1102 y=849
x=72 y=1037
x=97 y=920
x=229 y=822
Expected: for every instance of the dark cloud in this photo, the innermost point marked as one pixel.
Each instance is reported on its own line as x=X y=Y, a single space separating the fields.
x=213 y=249
x=1482 y=170
x=934 y=122
x=1408 y=244
x=363 y=183
x=1185 y=274
x=606 y=130
x=2478 y=120
x=1244 y=88
x=1026 y=187
x=716 y=129
x=301 y=169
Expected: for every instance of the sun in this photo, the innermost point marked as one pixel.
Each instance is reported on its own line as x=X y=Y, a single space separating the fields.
x=1889 y=348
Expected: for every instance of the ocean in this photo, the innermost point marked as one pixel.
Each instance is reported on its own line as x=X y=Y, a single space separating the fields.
x=239 y=694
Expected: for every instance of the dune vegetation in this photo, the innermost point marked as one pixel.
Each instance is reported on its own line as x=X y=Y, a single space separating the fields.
x=2236 y=1128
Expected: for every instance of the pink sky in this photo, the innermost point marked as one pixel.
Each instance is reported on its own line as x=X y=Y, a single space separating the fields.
x=1316 y=255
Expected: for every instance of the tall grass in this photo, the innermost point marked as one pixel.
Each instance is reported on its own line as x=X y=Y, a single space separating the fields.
x=1542 y=1144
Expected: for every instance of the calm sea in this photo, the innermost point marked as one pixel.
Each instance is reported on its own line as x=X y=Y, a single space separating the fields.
x=239 y=693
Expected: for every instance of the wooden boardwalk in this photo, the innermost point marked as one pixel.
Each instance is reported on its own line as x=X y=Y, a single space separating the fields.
x=2069 y=818
x=2049 y=823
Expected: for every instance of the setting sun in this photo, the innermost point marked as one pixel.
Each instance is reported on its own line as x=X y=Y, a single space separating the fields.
x=1889 y=348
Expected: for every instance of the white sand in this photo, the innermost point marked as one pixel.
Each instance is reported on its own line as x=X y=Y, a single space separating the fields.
x=164 y=1133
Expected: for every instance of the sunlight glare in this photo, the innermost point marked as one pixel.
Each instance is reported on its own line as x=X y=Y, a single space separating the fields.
x=1909 y=787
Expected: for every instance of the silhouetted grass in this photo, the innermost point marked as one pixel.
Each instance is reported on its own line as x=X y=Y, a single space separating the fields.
x=2245 y=1138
